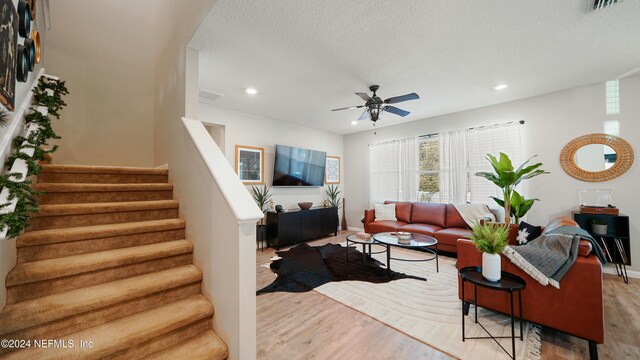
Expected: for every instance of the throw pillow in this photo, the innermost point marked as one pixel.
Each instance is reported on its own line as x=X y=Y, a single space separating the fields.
x=527 y=232
x=385 y=212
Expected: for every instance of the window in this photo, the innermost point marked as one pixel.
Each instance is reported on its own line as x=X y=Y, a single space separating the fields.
x=429 y=169
x=612 y=97
x=441 y=168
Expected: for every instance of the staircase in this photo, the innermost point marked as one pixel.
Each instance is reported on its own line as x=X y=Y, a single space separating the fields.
x=105 y=261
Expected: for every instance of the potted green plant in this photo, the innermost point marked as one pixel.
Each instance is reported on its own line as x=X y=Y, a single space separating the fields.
x=599 y=226
x=261 y=195
x=490 y=239
x=519 y=205
x=333 y=195
x=507 y=178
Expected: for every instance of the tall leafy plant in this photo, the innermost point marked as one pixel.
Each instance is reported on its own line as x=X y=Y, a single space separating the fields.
x=261 y=195
x=333 y=195
x=507 y=178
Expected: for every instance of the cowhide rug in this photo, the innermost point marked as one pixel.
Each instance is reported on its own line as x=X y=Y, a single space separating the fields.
x=303 y=268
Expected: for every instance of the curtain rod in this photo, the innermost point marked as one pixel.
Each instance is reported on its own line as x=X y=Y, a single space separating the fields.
x=521 y=122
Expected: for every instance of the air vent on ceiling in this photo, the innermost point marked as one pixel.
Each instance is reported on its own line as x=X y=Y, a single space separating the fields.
x=209 y=95
x=601 y=4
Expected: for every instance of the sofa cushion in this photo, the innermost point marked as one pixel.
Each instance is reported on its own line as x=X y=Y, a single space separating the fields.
x=429 y=213
x=528 y=232
x=424 y=229
x=450 y=236
x=384 y=226
x=385 y=211
x=403 y=210
x=454 y=219
x=560 y=222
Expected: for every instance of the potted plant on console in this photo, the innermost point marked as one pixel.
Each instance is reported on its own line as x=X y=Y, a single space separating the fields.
x=490 y=238
x=599 y=226
x=261 y=195
x=333 y=197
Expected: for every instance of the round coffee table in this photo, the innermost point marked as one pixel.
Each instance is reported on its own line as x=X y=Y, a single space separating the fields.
x=417 y=241
x=353 y=238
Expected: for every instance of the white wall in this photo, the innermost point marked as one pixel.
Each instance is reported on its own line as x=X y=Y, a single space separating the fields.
x=252 y=130
x=552 y=121
x=105 y=51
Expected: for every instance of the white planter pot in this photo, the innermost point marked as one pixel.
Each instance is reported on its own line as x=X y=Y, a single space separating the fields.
x=491 y=269
x=599 y=229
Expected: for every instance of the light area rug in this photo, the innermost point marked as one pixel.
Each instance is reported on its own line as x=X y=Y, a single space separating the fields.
x=431 y=311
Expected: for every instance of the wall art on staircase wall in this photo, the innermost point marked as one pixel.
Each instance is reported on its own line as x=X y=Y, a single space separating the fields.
x=250 y=164
x=8 y=49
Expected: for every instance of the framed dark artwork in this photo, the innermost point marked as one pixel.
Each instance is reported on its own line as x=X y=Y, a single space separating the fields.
x=250 y=164
x=8 y=53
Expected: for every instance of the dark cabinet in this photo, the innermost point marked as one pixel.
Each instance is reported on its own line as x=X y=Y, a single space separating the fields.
x=290 y=227
x=615 y=243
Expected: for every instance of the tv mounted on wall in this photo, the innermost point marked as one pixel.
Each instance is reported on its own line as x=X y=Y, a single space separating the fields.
x=298 y=167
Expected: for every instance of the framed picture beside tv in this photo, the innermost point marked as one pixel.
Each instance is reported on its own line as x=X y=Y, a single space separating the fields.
x=295 y=166
x=250 y=164
x=332 y=170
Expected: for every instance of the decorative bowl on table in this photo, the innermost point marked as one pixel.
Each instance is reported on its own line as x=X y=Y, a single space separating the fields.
x=404 y=237
x=305 y=205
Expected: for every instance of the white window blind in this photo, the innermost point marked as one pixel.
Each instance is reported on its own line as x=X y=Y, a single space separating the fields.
x=384 y=171
x=490 y=140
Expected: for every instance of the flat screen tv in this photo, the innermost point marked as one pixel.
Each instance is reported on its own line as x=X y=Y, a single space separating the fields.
x=298 y=167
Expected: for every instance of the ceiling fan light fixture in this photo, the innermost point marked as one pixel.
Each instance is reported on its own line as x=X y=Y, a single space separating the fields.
x=375 y=112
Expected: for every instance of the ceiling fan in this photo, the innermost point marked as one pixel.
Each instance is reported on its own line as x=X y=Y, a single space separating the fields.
x=375 y=105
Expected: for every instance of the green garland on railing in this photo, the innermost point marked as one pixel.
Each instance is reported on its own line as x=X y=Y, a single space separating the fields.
x=27 y=203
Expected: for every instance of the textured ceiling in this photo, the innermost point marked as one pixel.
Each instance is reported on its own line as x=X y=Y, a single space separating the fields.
x=306 y=57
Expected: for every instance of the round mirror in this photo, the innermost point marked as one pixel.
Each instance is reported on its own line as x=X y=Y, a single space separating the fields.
x=595 y=157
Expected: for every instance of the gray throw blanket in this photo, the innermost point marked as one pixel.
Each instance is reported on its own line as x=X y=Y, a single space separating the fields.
x=548 y=258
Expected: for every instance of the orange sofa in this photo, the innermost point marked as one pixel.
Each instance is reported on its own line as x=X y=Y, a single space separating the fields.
x=442 y=221
x=576 y=308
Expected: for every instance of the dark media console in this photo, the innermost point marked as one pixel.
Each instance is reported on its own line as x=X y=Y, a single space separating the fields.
x=294 y=226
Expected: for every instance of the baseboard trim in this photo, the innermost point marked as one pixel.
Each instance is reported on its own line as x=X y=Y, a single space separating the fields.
x=609 y=269
x=353 y=228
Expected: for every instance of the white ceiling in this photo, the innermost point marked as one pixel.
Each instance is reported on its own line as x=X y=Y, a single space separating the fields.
x=306 y=57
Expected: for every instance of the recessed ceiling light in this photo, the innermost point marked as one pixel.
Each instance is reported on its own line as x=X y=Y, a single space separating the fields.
x=500 y=87
x=251 y=91
x=354 y=122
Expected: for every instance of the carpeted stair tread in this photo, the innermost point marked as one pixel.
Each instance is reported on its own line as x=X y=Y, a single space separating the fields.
x=87 y=169
x=52 y=236
x=86 y=187
x=35 y=271
x=126 y=332
x=99 y=208
x=42 y=310
x=207 y=346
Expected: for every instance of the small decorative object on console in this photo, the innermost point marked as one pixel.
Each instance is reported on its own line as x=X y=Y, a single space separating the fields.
x=305 y=205
x=279 y=208
x=599 y=226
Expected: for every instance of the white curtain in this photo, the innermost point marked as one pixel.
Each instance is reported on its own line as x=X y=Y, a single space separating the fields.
x=491 y=140
x=384 y=171
x=408 y=190
x=453 y=166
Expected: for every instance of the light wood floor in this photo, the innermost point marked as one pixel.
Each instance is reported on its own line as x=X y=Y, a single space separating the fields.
x=312 y=326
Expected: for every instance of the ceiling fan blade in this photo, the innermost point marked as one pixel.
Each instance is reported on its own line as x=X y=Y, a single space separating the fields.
x=365 y=115
x=364 y=96
x=349 y=107
x=397 y=99
x=395 y=110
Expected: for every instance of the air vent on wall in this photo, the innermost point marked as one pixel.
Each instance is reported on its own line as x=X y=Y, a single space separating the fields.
x=209 y=95
x=601 y=4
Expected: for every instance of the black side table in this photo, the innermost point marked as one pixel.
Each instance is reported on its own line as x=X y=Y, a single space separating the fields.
x=509 y=283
